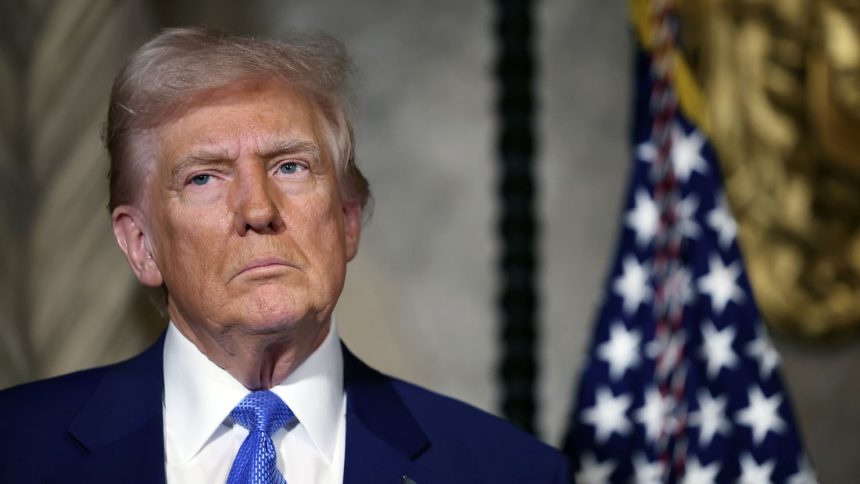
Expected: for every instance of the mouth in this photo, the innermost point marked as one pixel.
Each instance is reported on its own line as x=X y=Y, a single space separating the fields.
x=264 y=266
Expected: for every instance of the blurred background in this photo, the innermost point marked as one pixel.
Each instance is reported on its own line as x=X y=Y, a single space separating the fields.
x=420 y=302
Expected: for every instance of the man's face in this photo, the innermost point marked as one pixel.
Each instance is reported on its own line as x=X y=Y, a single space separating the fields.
x=243 y=214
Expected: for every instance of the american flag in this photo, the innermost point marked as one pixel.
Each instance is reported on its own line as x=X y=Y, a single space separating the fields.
x=681 y=382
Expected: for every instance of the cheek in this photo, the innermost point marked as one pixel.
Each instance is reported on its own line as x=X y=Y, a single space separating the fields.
x=310 y=212
x=192 y=249
x=324 y=224
x=317 y=229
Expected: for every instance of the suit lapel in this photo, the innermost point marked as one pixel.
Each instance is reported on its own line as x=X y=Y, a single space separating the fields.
x=122 y=425
x=383 y=440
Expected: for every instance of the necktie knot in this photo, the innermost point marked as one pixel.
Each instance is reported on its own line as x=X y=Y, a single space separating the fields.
x=262 y=411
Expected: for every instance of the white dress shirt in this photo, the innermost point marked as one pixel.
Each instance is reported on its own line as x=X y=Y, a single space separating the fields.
x=201 y=440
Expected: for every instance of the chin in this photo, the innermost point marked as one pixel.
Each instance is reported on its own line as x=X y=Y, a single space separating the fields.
x=268 y=325
x=274 y=312
x=267 y=321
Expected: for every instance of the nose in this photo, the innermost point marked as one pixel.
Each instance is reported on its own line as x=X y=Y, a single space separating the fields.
x=254 y=205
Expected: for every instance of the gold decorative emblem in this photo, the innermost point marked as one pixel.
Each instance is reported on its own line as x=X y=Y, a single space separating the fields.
x=781 y=81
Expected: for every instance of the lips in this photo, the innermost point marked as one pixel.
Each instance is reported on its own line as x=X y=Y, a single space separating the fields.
x=264 y=264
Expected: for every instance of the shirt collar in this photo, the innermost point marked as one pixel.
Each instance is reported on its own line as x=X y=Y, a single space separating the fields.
x=199 y=395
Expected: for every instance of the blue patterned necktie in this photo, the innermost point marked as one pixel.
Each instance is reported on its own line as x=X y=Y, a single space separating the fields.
x=262 y=413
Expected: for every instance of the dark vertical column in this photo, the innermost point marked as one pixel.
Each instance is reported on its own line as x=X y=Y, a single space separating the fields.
x=517 y=225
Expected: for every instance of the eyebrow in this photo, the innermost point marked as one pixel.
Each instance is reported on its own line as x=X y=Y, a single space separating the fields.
x=293 y=147
x=200 y=157
x=220 y=157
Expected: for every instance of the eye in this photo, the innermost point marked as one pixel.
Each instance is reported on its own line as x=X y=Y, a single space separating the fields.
x=290 y=168
x=201 y=179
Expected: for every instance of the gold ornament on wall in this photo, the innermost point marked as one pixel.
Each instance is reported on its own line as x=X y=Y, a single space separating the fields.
x=781 y=79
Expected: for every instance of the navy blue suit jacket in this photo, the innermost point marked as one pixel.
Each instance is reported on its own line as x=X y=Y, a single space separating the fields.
x=105 y=425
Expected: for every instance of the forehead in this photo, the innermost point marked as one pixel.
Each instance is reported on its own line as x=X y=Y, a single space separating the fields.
x=242 y=116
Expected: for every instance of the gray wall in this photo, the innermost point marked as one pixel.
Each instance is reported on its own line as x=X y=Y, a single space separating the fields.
x=419 y=297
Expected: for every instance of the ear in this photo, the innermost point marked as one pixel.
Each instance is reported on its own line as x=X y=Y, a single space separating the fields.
x=351 y=228
x=130 y=232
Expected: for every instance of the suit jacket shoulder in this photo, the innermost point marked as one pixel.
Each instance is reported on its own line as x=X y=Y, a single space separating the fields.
x=435 y=438
x=98 y=425
x=500 y=450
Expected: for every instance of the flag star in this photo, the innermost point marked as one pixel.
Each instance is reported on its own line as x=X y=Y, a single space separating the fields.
x=695 y=473
x=632 y=284
x=653 y=414
x=686 y=153
x=717 y=348
x=720 y=283
x=710 y=418
x=754 y=473
x=621 y=350
x=762 y=350
x=761 y=415
x=720 y=219
x=643 y=218
x=687 y=216
x=593 y=472
x=608 y=415
x=805 y=474
x=647 y=472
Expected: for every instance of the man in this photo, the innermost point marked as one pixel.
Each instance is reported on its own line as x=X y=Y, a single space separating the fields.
x=233 y=188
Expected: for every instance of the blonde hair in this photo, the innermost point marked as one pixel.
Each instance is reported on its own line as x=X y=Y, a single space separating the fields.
x=174 y=70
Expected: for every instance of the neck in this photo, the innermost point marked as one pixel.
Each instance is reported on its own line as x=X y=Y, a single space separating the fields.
x=257 y=361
